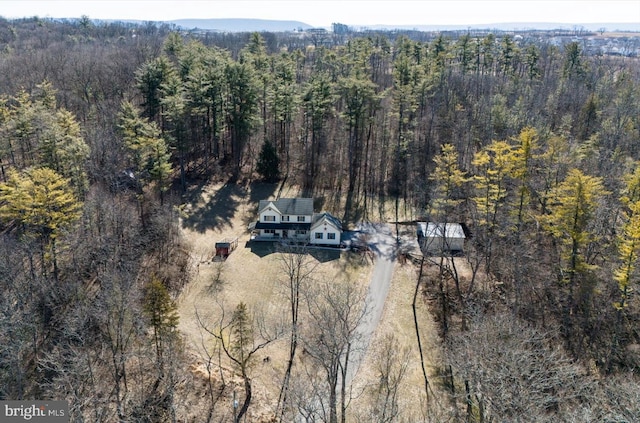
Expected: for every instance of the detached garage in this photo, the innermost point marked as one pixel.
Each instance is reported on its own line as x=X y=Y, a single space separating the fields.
x=440 y=237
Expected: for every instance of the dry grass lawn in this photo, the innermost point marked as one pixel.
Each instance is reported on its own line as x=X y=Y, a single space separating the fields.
x=252 y=274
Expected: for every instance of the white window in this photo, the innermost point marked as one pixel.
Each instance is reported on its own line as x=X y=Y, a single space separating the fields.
x=300 y=218
x=285 y=218
x=301 y=232
x=319 y=235
x=269 y=218
x=269 y=231
x=331 y=236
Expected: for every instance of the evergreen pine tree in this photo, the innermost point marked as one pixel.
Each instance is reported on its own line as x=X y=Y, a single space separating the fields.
x=268 y=162
x=162 y=313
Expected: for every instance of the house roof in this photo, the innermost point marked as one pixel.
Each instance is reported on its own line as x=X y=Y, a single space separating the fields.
x=318 y=218
x=290 y=206
x=434 y=230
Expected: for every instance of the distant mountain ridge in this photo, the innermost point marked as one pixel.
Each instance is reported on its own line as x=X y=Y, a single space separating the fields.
x=271 y=25
x=247 y=25
x=241 y=25
x=511 y=26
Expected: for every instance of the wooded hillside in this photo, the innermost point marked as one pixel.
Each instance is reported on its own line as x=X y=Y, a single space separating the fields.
x=106 y=130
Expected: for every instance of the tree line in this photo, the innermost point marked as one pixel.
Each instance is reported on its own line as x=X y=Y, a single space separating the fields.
x=104 y=126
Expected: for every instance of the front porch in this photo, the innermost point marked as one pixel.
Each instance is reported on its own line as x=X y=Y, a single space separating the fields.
x=279 y=235
x=294 y=232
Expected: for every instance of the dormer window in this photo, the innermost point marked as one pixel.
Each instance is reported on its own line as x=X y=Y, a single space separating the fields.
x=300 y=218
x=285 y=218
x=269 y=218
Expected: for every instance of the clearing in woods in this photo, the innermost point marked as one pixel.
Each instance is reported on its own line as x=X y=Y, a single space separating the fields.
x=252 y=274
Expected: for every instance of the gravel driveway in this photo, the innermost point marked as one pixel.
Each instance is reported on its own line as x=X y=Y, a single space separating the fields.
x=382 y=242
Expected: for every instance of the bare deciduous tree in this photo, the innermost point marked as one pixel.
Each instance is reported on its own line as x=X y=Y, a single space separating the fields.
x=297 y=267
x=336 y=309
x=241 y=336
x=391 y=363
x=513 y=374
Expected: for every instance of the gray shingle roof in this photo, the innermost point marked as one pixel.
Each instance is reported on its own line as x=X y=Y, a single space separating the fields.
x=290 y=206
x=329 y=217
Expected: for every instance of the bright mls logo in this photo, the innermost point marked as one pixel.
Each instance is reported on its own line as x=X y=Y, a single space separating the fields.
x=36 y=411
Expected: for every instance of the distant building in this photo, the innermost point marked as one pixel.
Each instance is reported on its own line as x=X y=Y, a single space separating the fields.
x=435 y=238
x=293 y=219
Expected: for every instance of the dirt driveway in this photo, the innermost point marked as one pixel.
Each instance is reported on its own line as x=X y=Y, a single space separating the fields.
x=381 y=241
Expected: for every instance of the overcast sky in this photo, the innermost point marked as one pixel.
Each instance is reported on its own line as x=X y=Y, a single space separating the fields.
x=351 y=12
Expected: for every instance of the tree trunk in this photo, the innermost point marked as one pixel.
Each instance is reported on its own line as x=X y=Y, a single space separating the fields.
x=333 y=398
x=417 y=327
x=247 y=397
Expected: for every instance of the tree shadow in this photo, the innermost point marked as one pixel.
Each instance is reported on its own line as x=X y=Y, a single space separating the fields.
x=319 y=202
x=257 y=191
x=261 y=191
x=218 y=211
x=356 y=214
x=357 y=260
x=217 y=281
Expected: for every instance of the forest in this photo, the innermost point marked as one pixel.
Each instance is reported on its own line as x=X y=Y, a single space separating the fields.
x=106 y=129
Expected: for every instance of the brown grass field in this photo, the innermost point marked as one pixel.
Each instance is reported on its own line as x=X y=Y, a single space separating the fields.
x=252 y=274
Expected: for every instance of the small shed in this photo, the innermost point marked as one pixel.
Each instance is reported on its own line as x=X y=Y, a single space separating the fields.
x=440 y=237
x=225 y=247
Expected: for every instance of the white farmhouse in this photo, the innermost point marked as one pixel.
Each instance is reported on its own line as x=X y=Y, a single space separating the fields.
x=325 y=229
x=293 y=219
x=440 y=237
